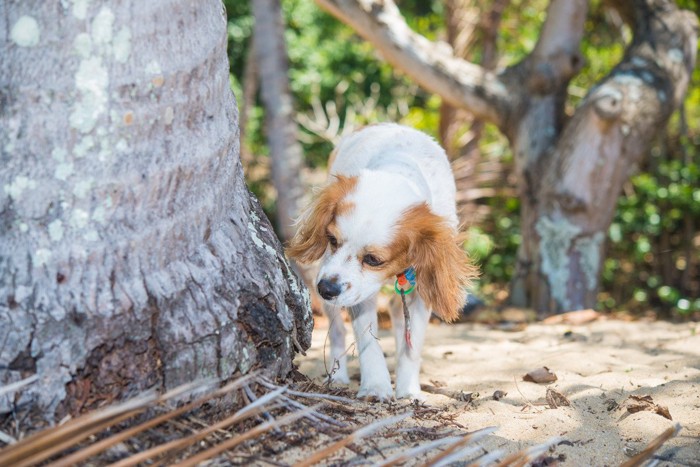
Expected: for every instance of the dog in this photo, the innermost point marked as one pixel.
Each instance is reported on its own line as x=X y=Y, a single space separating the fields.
x=387 y=214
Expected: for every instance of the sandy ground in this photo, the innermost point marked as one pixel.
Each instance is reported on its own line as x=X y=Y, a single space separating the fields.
x=598 y=366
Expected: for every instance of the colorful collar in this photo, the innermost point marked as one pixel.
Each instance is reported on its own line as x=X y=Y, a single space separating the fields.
x=405 y=281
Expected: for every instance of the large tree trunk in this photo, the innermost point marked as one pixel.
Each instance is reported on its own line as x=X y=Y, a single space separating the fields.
x=570 y=170
x=131 y=253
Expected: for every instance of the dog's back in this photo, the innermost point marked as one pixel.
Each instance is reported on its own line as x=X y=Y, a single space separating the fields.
x=402 y=151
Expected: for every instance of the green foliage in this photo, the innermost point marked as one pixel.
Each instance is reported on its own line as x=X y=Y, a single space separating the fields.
x=654 y=240
x=603 y=47
x=324 y=53
x=330 y=63
x=240 y=28
x=520 y=29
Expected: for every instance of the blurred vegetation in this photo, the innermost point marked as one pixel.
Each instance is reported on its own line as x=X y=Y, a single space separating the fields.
x=654 y=241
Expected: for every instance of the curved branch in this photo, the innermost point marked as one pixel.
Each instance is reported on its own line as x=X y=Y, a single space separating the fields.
x=432 y=65
x=557 y=57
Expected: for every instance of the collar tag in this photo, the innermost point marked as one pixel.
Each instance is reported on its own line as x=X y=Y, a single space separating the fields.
x=405 y=281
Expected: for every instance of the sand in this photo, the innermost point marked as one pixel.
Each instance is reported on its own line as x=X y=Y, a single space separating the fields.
x=598 y=366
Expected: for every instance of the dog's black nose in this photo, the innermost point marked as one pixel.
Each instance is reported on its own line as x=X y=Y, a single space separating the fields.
x=329 y=289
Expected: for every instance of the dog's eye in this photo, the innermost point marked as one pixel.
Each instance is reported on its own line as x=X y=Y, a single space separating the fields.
x=372 y=260
x=332 y=240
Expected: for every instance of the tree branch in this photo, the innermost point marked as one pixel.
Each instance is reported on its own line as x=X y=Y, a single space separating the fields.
x=432 y=65
x=612 y=129
x=556 y=57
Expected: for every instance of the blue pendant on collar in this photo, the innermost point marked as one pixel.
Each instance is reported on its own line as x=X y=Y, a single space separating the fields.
x=405 y=281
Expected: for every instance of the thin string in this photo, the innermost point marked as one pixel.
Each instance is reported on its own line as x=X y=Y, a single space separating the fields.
x=407 y=321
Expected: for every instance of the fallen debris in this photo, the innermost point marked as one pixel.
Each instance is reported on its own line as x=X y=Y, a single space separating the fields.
x=220 y=423
x=646 y=404
x=547 y=461
x=457 y=395
x=498 y=394
x=555 y=399
x=573 y=317
x=438 y=383
x=541 y=375
x=611 y=404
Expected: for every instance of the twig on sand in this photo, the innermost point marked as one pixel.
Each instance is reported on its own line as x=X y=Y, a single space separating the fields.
x=250 y=395
x=149 y=430
x=17 y=385
x=42 y=445
x=7 y=439
x=313 y=416
x=457 y=395
x=311 y=395
x=652 y=447
x=528 y=404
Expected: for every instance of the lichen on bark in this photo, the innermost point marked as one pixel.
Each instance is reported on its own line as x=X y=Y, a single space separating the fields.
x=556 y=238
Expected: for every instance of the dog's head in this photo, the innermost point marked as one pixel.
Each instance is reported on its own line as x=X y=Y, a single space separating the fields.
x=369 y=228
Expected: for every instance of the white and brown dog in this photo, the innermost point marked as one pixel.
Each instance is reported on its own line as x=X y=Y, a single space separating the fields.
x=388 y=209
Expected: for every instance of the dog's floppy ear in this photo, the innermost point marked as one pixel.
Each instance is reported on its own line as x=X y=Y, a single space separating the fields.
x=311 y=239
x=443 y=270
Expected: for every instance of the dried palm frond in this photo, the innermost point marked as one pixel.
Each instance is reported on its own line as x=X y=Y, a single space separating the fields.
x=253 y=419
x=446 y=455
x=101 y=432
x=520 y=458
x=653 y=446
x=322 y=454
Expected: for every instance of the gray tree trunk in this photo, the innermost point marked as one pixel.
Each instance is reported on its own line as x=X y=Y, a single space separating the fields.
x=571 y=171
x=131 y=253
x=286 y=157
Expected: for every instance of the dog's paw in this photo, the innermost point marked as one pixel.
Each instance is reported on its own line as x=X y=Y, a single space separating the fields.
x=408 y=382
x=340 y=376
x=376 y=390
x=410 y=392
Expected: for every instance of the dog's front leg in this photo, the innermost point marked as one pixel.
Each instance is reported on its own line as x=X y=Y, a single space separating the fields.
x=408 y=359
x=336 y=331
x=374 y=374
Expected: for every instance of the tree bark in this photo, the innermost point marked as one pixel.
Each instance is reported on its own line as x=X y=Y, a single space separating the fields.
x=569 y=190
x=570 y=169
x=131 y=253
x=286 y=155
